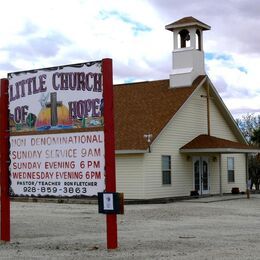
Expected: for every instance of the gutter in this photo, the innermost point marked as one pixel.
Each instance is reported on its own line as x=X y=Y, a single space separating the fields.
x=220 y=150
x=130 y=151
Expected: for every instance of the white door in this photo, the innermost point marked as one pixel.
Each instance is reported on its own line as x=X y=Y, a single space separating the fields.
x=201 y=175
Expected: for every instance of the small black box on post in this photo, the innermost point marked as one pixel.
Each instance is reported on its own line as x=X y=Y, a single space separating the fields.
x=111 y=203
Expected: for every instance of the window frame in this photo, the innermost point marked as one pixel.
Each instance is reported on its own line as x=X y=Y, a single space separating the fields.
x=231 y=171
x=166 y=171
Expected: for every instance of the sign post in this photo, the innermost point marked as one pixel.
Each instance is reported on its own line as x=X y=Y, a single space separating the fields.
x=4 y=162
x=110 y=148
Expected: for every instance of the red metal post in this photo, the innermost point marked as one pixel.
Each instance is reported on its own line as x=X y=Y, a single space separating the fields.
x=4 y=164
x=110 y=170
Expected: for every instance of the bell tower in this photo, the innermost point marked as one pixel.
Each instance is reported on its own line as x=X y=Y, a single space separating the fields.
x=188 y=54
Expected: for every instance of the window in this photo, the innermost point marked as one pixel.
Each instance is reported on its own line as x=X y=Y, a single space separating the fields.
x=231 y=169
x=166 y=169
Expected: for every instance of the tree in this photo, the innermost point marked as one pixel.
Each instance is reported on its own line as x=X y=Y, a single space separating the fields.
x=255 y=165
x=248 y=124
x=250 y=127
x=255 y=138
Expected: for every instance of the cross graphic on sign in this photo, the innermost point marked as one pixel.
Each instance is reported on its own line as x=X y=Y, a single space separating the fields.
x=54 y=104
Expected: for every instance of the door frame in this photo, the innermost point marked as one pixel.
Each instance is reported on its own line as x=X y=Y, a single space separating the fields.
x=201 y=191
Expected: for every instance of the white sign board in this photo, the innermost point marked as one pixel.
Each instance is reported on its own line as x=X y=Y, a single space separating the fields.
x=69 y=164
x=64 y=97
x=60 y=102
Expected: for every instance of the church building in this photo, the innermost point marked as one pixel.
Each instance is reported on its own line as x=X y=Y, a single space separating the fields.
x=176 y=137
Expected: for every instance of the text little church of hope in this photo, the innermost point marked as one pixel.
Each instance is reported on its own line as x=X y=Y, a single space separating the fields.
x=65 y=81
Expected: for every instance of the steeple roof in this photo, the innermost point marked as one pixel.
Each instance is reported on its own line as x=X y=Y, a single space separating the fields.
x=187 y=22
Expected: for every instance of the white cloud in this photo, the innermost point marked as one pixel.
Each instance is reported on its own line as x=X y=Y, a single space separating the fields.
x=241 y=84
x=53 y=32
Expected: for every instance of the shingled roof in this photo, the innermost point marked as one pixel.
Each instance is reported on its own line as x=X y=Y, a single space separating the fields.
x=145 y=108
x=214 y=144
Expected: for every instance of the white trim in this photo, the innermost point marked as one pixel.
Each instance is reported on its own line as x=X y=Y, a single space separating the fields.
x=184 y=49
x=181 y=71
x=171 y=27
x=233 y=160
x=130 y=151
x=220 y=175
x=219 y=150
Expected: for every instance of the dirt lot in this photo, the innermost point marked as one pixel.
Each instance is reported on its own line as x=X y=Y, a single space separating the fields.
x=181 y=230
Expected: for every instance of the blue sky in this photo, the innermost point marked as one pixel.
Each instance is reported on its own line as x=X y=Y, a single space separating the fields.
x=131 y=32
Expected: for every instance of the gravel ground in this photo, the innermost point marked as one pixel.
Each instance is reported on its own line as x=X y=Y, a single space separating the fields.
x=181 y=230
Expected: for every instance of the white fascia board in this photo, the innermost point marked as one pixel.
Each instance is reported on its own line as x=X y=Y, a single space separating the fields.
x=204 y=26
x=130 y=151
x=219 y=150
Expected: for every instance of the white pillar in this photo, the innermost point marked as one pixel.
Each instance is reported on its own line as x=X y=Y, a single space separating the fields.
x=193 y=38
x=220 y=176
x=247 y=178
